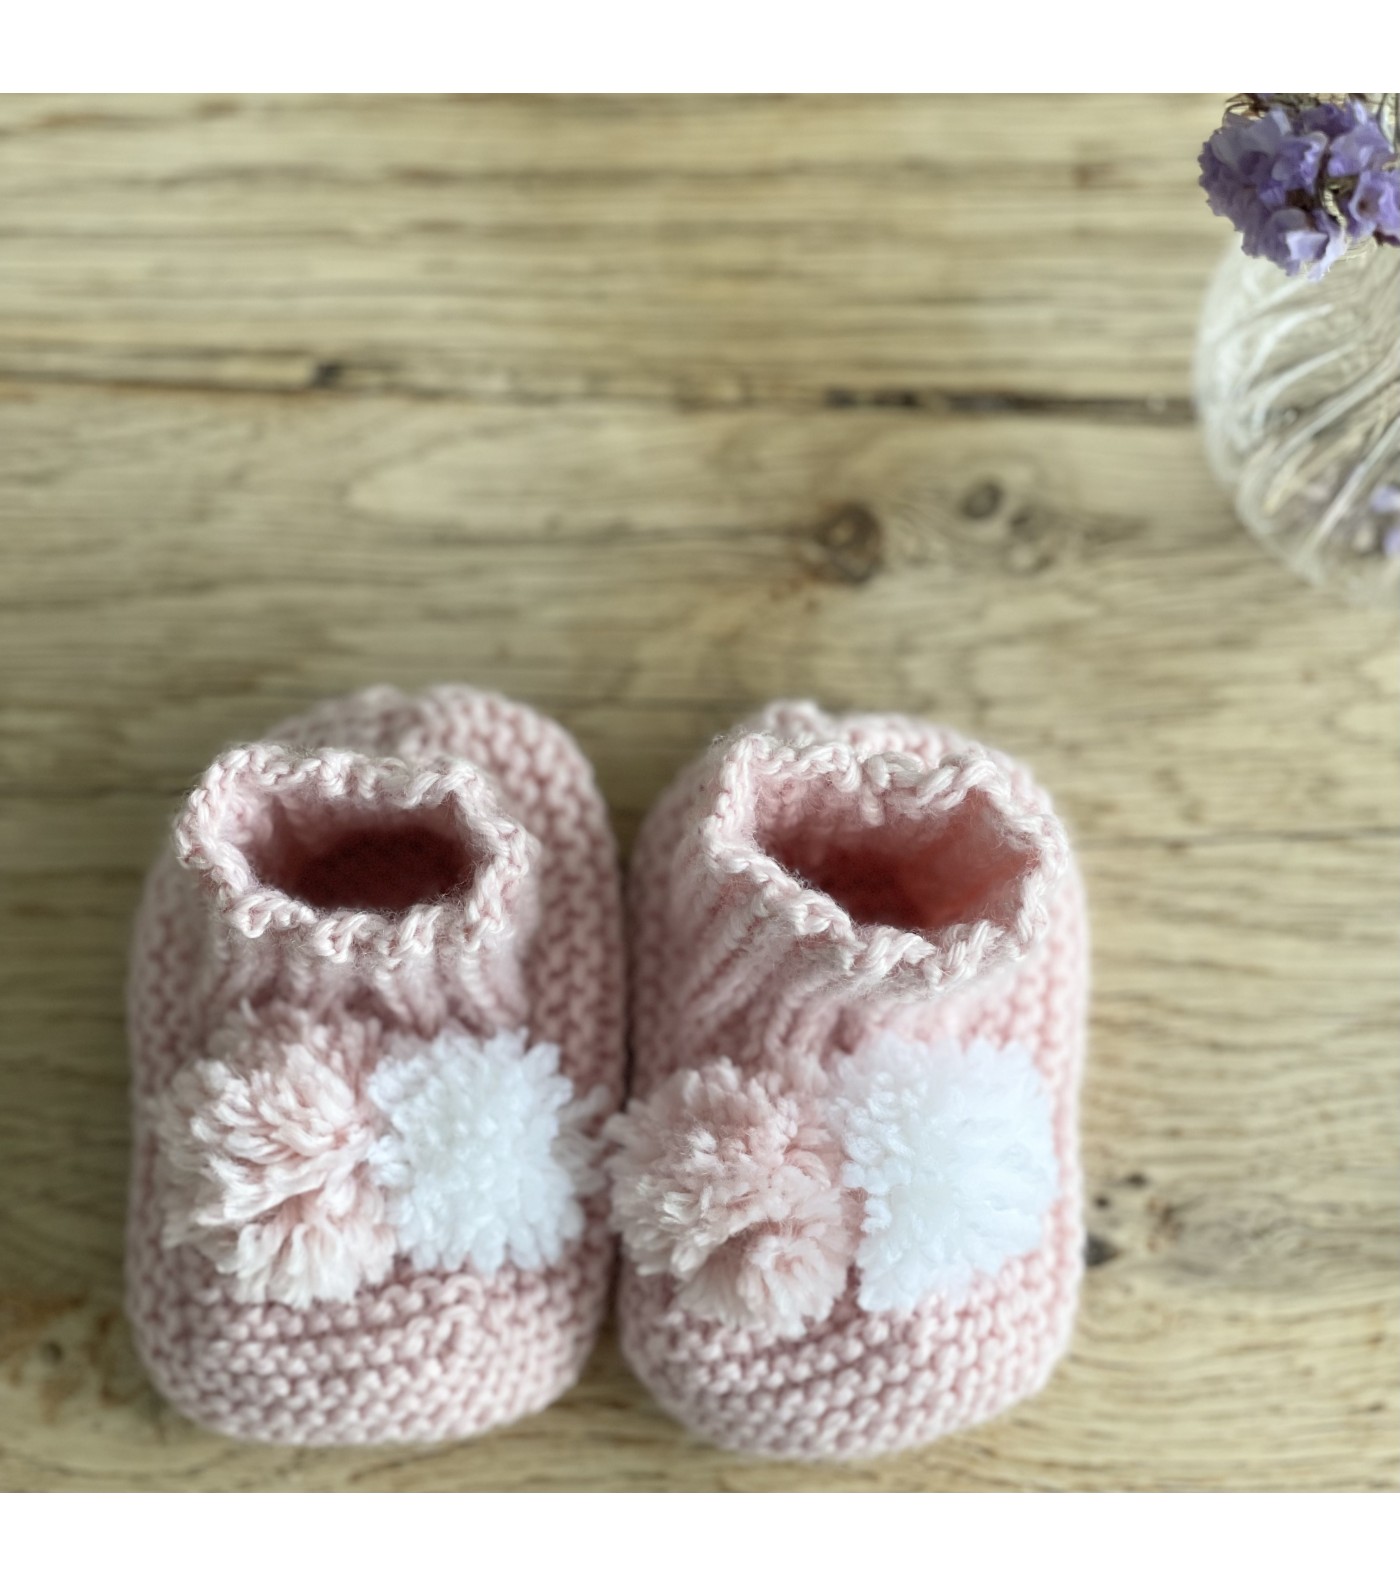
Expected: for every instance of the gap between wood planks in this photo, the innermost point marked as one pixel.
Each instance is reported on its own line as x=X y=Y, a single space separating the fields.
x=349 y=378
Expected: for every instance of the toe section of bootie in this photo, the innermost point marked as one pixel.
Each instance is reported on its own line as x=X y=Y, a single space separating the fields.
x=854 y=1267
x=859 y=1384
x=366 y=1235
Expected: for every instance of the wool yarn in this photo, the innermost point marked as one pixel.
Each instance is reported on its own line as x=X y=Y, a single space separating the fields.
x=376 y=1023
x=858 y=960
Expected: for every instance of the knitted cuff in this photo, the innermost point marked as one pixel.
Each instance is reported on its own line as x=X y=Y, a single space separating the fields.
x=404 y=893
x=820 y=883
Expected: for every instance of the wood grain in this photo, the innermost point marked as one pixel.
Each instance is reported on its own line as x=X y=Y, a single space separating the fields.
x=699 y=249
x=647 y=411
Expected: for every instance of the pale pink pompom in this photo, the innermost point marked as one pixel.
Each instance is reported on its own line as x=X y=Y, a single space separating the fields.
x=732 y=1186
x=264 y=1150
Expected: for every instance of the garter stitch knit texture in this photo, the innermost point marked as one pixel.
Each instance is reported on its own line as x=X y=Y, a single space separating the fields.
x=382 y=870
x=814 y=887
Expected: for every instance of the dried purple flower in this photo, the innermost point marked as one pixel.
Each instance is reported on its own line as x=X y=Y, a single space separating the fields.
x=1300 y=176
x=1373 y=206
x=1295 y=167
x=1293 y=238
x=1242 y=154
x=1234 y=161
x=1363 y=148
x=1327 y=117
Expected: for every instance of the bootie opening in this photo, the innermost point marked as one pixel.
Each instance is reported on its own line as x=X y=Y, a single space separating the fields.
x=336 y=854
x=887 y=864
x=350 y=857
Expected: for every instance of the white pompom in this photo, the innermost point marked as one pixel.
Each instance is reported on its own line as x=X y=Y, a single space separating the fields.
x=954 y=1150
x=485 y=1153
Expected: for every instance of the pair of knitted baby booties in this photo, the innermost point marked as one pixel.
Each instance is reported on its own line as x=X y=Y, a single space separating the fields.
x=378 y=1018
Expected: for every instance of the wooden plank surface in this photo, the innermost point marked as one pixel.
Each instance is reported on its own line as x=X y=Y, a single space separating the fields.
x=647 y=411
x=788 y=249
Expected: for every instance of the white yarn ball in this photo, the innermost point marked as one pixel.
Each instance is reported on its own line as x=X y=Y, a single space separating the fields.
x=484 y=1153
x=954 y=1150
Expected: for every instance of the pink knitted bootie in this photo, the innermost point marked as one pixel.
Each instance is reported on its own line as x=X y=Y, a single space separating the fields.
x=848 y=1181
x=376 y=1026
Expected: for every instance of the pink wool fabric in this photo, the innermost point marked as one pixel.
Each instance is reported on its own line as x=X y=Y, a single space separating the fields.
x=379 y=871
x=813 y=882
